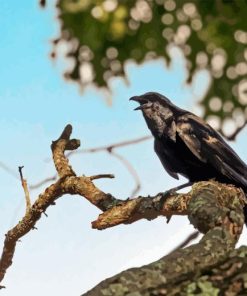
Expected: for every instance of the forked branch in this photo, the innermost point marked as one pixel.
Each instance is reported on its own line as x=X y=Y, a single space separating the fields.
x=225 y=201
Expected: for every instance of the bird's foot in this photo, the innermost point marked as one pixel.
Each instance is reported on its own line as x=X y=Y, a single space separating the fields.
x=166 y=194
x=172 y=191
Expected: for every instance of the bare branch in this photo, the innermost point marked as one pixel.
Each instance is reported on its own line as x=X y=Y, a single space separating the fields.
x=109 y=148
x=237 y=131
x=26 y=224
x=37 y=185
x=217 y=211
x=188 y=239
x=110 y=176
x=15 y=175
x=68 y=183
x=42 y=3
x=58 y=147
x=9 y=170
x=130 y=169
x=25 y=188
x=112 y=146
x=149 y=208
x=118 y=211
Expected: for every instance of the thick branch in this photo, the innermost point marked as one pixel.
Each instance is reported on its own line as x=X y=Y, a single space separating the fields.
x=68 y=183
x=131 y=210
x=213 y=208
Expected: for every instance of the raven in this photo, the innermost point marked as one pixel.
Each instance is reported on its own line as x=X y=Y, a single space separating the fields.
x=188 y=146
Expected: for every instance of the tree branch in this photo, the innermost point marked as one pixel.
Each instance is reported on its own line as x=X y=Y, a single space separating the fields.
x=46 y=180
x=9 y=170
x=42 y=3
x=25 y=188
x=237 y=131
x=216 y=210
x=130 y=169
x=112 y=146
x=110 y=149
x=213 y=208
x=188 y=239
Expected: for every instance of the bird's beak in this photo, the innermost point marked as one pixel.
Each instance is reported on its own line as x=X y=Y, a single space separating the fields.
x=144 y=104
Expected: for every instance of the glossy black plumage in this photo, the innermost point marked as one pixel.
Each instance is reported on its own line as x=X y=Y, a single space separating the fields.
x=188 y=146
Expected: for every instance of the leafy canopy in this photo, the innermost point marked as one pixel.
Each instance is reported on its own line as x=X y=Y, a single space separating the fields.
x=103 y=34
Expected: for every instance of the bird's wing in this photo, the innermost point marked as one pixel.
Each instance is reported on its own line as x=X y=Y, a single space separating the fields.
x=208 y=146
x=166 y=158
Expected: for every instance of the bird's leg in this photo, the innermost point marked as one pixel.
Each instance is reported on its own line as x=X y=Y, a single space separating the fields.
x=166 y=194
x=175 y=189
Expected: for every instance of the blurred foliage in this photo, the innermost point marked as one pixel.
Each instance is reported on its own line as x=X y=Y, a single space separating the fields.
x=103 y=34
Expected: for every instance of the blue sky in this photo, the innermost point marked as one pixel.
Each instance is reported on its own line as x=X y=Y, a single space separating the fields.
x=65 y=256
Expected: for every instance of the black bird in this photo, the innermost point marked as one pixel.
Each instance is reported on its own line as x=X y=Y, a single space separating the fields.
x=188 y=146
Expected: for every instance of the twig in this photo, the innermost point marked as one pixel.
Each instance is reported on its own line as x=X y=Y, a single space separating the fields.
x=110 y=176
x=68 y=183
x=9 y=170
x=188 y=239
x=237 y=131
x=116 y=211
x=25 y=188
x=111 y=149
x=42 y=3
x=16 y=176
x=130 y=169
x=37 y=185
x=111 y=146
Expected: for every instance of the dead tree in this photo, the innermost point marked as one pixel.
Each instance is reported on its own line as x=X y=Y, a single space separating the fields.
x=211 y=267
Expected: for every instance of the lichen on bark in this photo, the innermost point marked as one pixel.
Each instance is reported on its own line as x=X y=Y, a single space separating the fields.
x=211 y=267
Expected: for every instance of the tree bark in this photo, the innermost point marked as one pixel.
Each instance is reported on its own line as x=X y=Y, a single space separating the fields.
x=211 y=267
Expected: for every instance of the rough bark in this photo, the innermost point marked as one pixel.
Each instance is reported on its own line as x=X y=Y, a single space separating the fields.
x=116 y=211
x=211 y=267
x=214 y=209
x=227 y=276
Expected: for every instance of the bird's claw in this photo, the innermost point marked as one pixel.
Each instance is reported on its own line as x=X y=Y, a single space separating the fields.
x=166 y=194
x=163 y=196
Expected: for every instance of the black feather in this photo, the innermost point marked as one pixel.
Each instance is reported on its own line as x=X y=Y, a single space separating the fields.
x=188 y=146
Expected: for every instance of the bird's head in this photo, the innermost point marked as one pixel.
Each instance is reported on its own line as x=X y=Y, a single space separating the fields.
x=152 y=101
x=157 y=110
